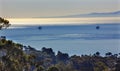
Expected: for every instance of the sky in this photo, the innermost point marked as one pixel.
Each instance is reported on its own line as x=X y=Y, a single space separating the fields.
x=50 y=8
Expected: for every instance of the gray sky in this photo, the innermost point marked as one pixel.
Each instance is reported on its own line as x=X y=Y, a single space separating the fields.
x=44 y=8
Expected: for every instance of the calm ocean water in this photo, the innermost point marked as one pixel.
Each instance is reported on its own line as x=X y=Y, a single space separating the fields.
x=72 y=39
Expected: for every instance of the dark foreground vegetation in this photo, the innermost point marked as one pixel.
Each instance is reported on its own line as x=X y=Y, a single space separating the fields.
x=17 y=57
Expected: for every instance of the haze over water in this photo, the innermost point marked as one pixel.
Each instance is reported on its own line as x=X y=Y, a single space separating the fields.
x=63 y=21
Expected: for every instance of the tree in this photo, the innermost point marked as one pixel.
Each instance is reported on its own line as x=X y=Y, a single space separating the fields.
x=97 y=54
x=40 y=68
x=62 y=56
x=117 y=66
x=4 y=23
x=53 y=69
x=108 y=54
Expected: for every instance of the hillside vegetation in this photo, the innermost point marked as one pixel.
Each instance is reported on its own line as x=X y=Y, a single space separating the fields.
x=17 y=57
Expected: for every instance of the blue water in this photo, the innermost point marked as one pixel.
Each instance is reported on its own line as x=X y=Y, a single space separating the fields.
x=72 y=39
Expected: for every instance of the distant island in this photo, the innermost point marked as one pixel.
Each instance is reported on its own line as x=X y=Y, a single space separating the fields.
x=107 y=14
x=95 y=14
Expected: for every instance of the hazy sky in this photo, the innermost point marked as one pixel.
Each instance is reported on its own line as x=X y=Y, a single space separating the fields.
x=44 y=8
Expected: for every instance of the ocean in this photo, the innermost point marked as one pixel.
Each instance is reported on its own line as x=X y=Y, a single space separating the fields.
x=71 y=39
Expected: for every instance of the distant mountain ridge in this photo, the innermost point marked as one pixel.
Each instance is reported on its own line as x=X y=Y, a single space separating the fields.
x=107 y=14
x=94 y=14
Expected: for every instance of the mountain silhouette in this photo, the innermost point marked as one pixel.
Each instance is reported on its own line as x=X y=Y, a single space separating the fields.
x=107 y=14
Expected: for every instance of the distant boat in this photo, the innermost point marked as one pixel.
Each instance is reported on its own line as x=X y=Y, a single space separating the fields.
x=39 y=27
x=97 y=27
